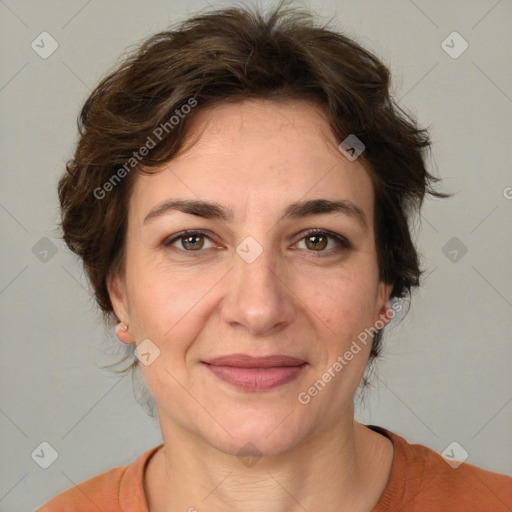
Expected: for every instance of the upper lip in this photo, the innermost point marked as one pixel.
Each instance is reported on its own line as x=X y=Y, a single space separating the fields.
x=247 y=361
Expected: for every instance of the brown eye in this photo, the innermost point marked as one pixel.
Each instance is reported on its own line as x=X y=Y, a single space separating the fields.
x=191 y=241
x=316 y=242
x=324 y=242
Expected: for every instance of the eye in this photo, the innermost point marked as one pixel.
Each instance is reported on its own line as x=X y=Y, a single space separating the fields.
x=191 y=241
x=317 y=240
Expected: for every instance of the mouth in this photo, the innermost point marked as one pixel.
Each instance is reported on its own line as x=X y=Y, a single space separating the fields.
x=256 y=373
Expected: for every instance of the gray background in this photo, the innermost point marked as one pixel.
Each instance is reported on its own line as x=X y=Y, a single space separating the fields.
x=445 y=374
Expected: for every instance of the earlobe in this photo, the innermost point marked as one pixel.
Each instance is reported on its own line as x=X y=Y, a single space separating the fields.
x=117 y=293
x=123 y=334
x=384 y=316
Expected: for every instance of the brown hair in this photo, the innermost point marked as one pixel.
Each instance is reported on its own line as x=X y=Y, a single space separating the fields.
x=231 y=55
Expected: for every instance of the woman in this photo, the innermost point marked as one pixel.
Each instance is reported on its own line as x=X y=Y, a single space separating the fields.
x=240 y=196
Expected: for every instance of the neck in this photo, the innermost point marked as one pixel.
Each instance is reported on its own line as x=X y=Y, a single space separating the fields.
x=344 y=468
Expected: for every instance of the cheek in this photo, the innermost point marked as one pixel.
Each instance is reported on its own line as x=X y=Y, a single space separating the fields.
x=346 y=305
x=167 y=307
x=166 y=310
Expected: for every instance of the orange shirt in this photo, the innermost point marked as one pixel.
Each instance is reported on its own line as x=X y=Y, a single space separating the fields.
x=420 y=481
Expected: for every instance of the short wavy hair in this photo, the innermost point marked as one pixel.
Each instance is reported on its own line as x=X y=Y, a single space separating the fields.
x=228 y=55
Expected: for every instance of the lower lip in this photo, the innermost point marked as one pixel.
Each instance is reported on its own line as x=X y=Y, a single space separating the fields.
x=257 y=379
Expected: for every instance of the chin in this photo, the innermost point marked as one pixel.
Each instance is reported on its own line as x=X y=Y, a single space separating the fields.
x=256 y=446
x=255 y=436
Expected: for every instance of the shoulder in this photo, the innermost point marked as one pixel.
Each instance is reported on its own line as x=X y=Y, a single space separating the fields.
x=422 y=480
x=90 y=494
x=106 y=491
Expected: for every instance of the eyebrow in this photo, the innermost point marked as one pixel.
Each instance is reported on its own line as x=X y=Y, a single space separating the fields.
x=299 y=209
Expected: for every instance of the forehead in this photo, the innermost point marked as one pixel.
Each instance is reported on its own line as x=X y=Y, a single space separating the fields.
x=257 y=155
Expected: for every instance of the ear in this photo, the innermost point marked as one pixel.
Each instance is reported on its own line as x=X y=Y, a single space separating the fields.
x=383 y=307
x=118 y=296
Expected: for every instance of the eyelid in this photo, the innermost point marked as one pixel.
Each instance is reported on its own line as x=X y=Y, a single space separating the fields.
x=343 y=244
x=331 y=234
x=183 y=234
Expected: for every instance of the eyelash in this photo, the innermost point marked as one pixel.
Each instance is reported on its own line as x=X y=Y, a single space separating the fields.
x=342 y=241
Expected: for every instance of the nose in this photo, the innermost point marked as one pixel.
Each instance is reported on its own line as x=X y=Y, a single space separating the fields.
x=258 y=295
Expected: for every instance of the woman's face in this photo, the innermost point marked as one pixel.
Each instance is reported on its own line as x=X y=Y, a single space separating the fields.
x=254 y=282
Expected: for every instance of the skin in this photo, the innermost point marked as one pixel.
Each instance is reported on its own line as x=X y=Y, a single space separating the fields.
x=256 y=157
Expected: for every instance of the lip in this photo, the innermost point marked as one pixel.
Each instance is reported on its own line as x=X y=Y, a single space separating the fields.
x=247 y=361
x=256 y=373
